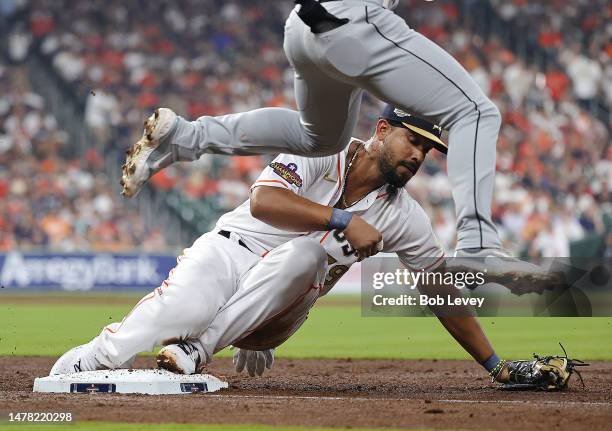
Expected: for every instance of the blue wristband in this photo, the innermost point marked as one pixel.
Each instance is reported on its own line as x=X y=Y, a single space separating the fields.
x=491 y=363
x=340 y=219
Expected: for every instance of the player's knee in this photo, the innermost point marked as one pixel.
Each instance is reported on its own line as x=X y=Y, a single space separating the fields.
x=318 y=148
x=324 y=151
x=319 y=145
x=310 y=251
x=490 y=113
x=307 y=257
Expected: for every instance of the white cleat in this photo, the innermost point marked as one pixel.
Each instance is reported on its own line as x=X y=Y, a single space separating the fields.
x=180 y=358
x=82 y=358
x=150 y=154
x=500 y=267
x=77 y=359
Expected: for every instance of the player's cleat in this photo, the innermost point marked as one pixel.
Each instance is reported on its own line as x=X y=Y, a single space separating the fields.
x=180 y=358
x=151 y=153
x=82 y=358
x=500 y=267
x=77 y=359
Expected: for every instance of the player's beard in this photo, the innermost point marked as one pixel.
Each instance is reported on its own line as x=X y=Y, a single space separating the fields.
x=389 y=170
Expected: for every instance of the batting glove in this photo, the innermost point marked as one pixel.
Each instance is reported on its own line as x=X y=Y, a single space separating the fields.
x=255 y=361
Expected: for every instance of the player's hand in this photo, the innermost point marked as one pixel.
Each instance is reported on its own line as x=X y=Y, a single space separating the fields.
x=255 y=361
x=363 y=237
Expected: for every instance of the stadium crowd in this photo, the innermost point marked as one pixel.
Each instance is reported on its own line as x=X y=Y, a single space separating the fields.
x=576 y=33
x=211 y=57
x=49 y=198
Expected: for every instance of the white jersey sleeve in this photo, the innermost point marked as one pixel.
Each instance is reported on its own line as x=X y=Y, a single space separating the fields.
x=421 y=249
x=294 y=173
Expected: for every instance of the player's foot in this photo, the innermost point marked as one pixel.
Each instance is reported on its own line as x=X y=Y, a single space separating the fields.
x=180 y=358
x=77 y=359
x=151 y=153
x=500 y=267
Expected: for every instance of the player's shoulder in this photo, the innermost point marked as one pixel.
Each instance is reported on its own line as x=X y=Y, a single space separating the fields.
x=295 y=167
x=332 y=164
x=306 y=160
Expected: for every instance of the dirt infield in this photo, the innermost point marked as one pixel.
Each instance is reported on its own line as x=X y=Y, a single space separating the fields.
x=337 y=393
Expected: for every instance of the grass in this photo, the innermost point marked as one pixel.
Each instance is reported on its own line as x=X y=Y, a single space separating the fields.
x=333 y=330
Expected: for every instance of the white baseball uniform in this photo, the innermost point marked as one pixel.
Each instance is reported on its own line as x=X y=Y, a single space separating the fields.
x=221 y=292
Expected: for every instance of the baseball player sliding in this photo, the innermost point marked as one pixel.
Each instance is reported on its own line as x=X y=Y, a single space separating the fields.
x=338 y=49
x=252 y=280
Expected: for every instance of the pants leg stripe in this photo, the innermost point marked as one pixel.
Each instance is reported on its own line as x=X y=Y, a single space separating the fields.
x=474 y=176
x=462 y=92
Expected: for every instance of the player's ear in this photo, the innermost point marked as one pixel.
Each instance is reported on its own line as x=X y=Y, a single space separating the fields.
x=383 y=128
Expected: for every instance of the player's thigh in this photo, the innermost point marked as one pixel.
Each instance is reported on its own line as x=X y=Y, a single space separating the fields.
x=327 y=101
x=328 y=109
x=408 y=70
x=205 y=277
x=289 y=281
x=293 y=267
x=281 y=277
x=280 y=281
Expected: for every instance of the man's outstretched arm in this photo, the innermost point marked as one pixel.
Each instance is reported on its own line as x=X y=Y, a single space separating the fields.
x=464 y=328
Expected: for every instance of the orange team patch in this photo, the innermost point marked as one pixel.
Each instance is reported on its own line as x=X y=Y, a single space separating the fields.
x=287 y=172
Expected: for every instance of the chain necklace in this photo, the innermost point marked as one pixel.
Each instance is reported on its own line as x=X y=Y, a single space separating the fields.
x=348 y=168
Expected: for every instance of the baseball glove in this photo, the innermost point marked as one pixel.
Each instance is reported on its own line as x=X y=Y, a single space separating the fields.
x=548 y=373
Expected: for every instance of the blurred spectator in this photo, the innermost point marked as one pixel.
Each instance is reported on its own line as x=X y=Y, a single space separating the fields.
x=47 y=198
x=585 y=74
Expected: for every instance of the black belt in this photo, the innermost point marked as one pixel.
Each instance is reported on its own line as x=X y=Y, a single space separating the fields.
x=316 y=16
x=227 y=235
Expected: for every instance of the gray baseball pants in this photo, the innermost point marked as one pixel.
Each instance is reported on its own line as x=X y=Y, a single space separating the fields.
x=377 y=52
